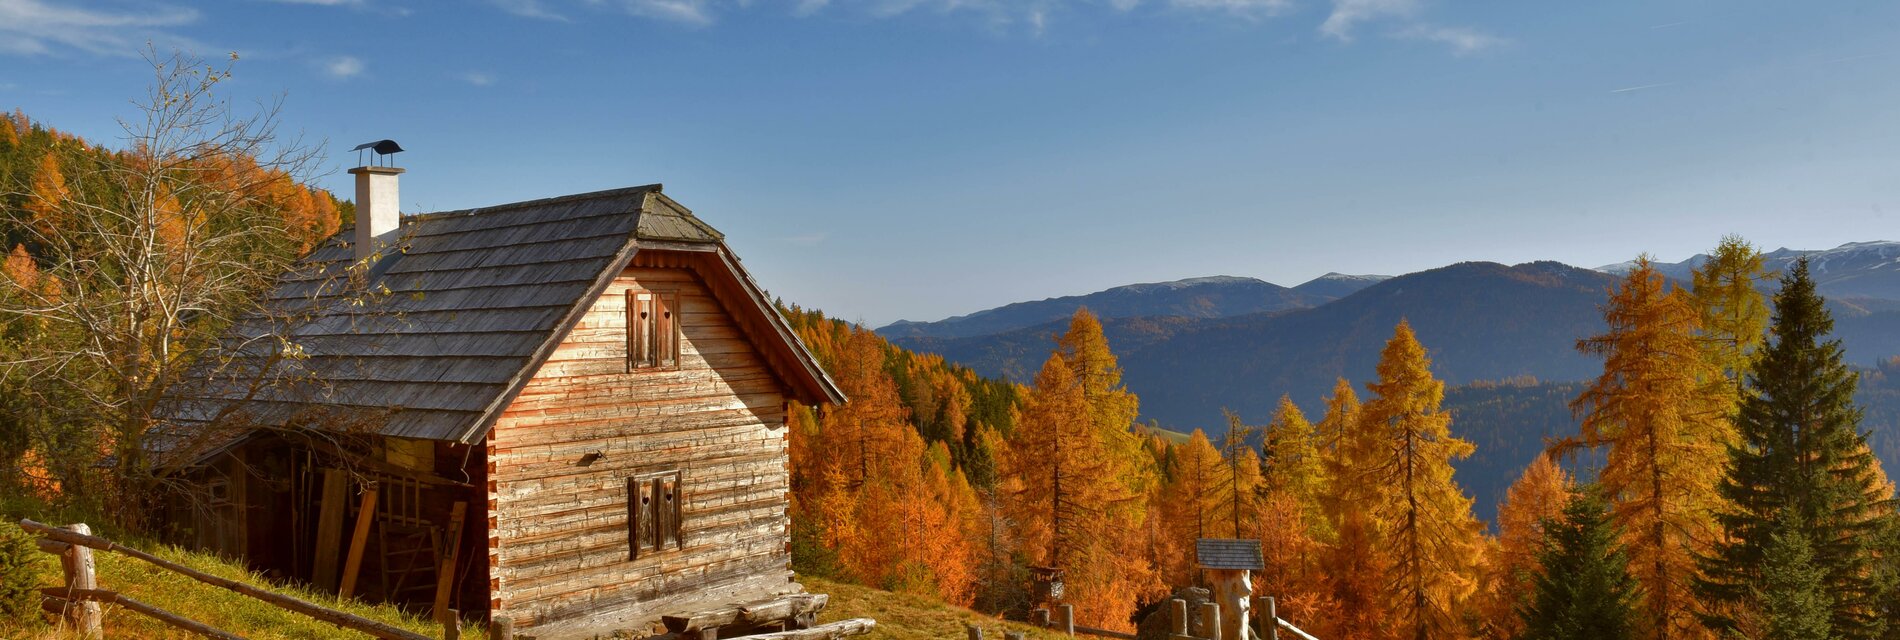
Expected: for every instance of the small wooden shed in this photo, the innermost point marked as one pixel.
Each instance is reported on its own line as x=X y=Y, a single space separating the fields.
x=567 y=411
x=1229 y=564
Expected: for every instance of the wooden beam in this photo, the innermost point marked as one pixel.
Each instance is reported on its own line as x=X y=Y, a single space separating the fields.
x=365 y=515
x=94 y=596
x=331 y=616
x=778 y=609
x=329 y=528
x=445 y=577
x=840 y=629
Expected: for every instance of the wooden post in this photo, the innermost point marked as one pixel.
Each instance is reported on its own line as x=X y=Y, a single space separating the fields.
x=1039 y=618
x=81 y=573
x=1177 y=616
x=1271 y=620
x=445 y=577
x=365 y=515
x=501 y=628
x=974 y=632
x=1210 y=620
x=329 y=528
x=1067 y=619
x=451 y=624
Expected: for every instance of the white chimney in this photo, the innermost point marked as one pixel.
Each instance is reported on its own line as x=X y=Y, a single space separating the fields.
x=377 y=220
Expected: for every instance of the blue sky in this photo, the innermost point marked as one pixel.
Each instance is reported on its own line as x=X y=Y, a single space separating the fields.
x=885 y=159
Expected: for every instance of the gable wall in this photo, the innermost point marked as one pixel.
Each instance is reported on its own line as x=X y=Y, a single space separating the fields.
x=558 y=545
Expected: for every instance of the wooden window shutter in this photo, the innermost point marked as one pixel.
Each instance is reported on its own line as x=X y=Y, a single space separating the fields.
x=640 y=324
x=637 y=524
x=667 y=493
x=666 y=329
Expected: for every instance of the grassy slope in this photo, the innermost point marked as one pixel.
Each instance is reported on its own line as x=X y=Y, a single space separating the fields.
x=223 y=609
x=899 y=616
x=907 y=617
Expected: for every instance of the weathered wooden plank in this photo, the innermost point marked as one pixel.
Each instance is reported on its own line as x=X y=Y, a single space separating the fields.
x=839 y=629
x=756 y=613
x=445 y=573
x=601 y=433
x=365 y=516
x=329 y=528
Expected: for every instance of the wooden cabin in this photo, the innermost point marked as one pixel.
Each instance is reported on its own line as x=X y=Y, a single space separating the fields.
x=568 y=412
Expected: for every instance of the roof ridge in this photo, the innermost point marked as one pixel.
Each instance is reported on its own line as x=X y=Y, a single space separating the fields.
x=592 y=195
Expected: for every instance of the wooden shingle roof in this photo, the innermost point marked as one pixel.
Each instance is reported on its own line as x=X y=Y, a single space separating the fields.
x=435 y=338
x=1222 y=553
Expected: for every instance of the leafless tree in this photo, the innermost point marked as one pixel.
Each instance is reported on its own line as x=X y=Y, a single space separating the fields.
x=155 y=268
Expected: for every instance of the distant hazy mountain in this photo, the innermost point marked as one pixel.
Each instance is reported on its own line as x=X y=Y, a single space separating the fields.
x=1211 y=297
x=1850 y=271
x=1481 y=320
x=1333 y=286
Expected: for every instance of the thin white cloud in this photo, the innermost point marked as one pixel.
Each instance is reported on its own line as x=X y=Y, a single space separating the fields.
x=343 y=67
x=323 y=3
x=33 y=27
x=1347 y=14
x=1634 y=89
x=478 y=78
x=528 y=9
x=1245 y=8
x=1462 y=40
x=692 y=12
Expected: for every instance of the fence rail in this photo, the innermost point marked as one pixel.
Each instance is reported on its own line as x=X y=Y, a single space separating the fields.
x=80 y=598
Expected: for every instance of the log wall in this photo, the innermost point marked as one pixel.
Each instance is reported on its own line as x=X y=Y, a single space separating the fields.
x=558 y=544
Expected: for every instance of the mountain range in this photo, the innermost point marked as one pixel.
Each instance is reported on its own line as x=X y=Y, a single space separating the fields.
x=1191 y=347
x=1209 y=297
x=1502 y=336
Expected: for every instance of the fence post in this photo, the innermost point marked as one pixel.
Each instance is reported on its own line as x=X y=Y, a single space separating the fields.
x=1210 y=620
x=1177 y=616
x=451 y=625
x=1039 y=617
x=1068 y=618
x=81 y=573
x=974 y=632
x=1272 y=620
x=501 y=628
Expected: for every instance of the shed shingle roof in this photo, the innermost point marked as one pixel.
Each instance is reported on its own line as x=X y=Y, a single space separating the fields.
x=1221 y=553
x=454 y=321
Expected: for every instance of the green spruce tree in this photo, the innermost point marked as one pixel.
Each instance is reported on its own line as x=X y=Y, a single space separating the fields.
x=1800 y=452
x=1585 y=591
x=1793 y=597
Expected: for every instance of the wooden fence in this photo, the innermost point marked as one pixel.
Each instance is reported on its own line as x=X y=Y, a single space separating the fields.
x=1063 y=619
x=80 y=598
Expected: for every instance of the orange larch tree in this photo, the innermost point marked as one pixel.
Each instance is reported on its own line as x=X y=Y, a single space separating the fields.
x=1667 y=438
x=1436 y=542
x=1189 y=502
x=1539 y=495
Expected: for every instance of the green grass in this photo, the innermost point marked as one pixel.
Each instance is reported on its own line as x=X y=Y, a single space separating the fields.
x=909 y=617
x=225 y=610
x=899 y=616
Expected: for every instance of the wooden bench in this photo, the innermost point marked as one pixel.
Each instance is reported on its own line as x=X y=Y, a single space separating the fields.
x=785 y=613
